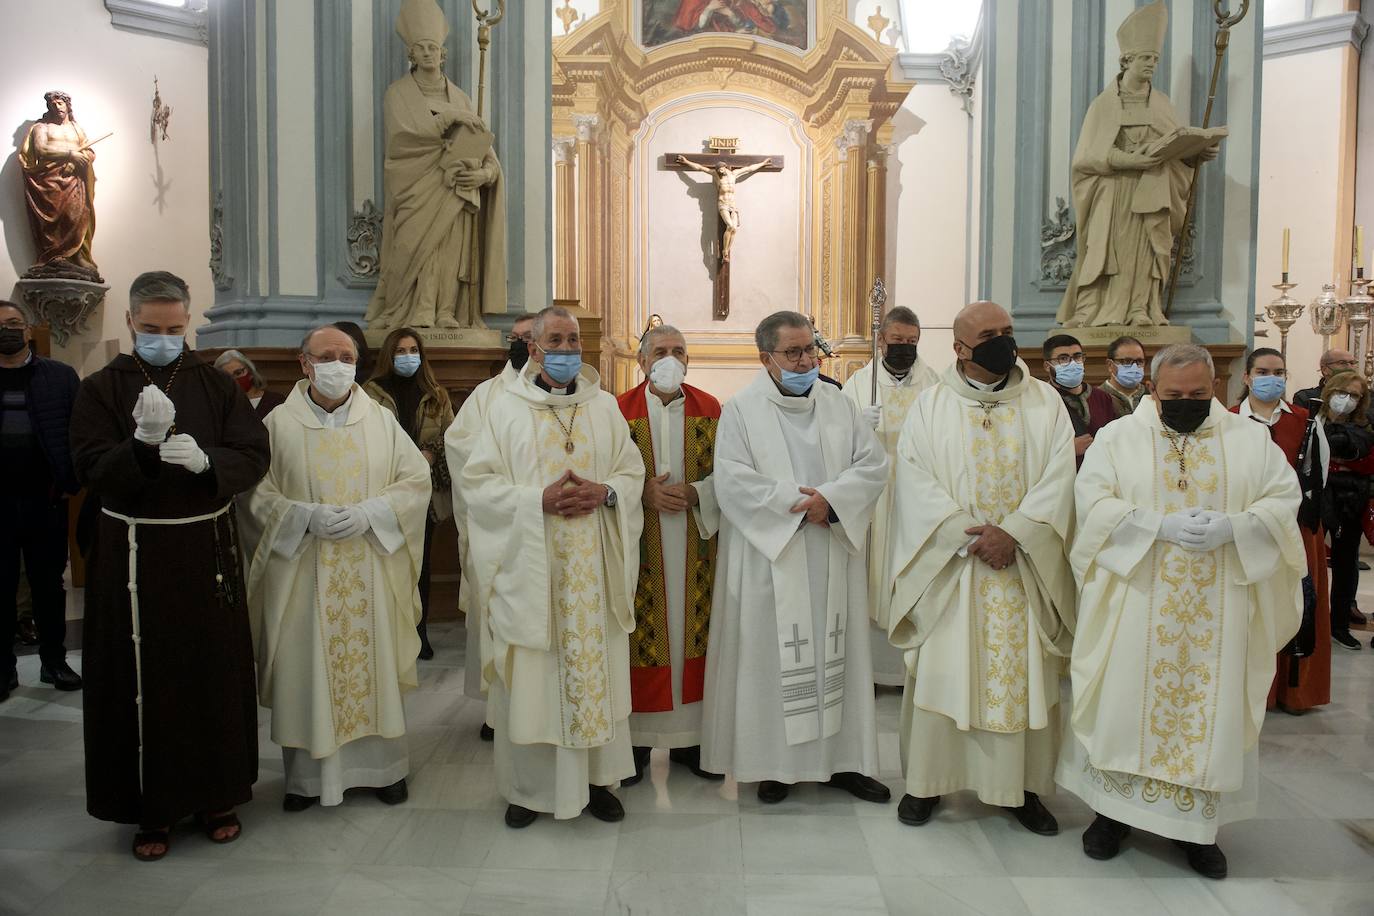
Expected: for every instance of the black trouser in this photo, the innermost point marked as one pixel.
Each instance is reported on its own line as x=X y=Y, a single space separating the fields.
x=424 y=573
x=37 y=529
x=1345 y=573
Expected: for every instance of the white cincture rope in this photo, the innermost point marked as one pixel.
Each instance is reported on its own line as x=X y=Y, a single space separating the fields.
x=137 y=632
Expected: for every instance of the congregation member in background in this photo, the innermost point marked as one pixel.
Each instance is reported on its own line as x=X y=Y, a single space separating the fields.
x=674 y=426
x=1303 y=678
x=1345 y=418
x=404 y=384
x=789 y=682
x=1089 y=408
x=366 y=357
x=1125 y=374
x=1332 y=361
x=36 y=397
x=165 y=441
x=338 y=522
x=458 y=442
x=552 y=489
x=1188 y=560
x=982 y=590
x=901 y=377
x=246 y=375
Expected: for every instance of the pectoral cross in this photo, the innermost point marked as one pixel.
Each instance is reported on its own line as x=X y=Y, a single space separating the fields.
x=797 y=642
x=727 y=168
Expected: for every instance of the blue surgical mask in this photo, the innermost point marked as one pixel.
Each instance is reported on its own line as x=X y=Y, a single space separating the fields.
x=562 y=365
x=406 y=365
x=158 y=349
x=799 y=382
x=1130 y=376
x=1267 y=388
x=1070 y=376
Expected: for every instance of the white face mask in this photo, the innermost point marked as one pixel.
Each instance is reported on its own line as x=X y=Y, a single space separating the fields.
x=333 y=380
x=667 y=374
x=1342 y=404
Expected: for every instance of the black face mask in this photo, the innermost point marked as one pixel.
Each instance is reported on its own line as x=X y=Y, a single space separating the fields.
x=900 y=357
x=1184 y=415
x=996 y=355
x=11 y=341
x=519 y=353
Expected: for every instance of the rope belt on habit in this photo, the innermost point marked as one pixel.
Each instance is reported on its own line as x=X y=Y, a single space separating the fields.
x=133 y=524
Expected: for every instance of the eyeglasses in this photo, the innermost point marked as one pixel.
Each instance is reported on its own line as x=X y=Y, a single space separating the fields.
x=1136 y=363
x=14 y=325
x=348 y=359
x=512 y=338
x=1342 y=364
x=794 y=354
x=1066 y=358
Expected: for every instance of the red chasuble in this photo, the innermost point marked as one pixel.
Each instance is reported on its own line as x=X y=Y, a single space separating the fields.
x=1314 y=672
x=651 y=669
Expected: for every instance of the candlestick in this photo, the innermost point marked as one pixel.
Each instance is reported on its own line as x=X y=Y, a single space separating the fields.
x=1287 y=235
x=1359 y=244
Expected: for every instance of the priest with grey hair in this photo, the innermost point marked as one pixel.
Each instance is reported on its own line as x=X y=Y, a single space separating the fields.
x=1188 y=560
x=789 y=682
x=901 y=376
x=553 y=484
x=337 y=532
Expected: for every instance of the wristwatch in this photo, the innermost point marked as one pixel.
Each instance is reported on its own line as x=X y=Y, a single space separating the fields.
x=611 y=498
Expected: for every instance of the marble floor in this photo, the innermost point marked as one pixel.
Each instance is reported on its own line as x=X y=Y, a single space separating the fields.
x=686 y=846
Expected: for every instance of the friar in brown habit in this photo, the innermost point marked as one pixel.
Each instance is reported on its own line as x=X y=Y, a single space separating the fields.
x=165 y=441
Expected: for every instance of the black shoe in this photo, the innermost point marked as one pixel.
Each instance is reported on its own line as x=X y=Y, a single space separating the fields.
x=1357 y=619
x=294 y=803
x=1102 y=839
x=641 y=755
x=771 y=791
x=487 y=733
x=1208 y=861
x=604 y=806
x=864 y=788
x=517 y=818
x=914 y=811
x=60 y=675
x=394 y=794
x=1343 y=639
x=426 y=650
x=26 y=631
x=1035 y=817
x=690 y=757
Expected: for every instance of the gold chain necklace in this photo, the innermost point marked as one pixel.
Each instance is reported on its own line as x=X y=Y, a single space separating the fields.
x=568 y=429
x=1178 y=447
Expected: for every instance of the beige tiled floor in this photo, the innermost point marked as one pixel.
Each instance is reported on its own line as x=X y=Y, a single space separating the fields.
x=686 y=846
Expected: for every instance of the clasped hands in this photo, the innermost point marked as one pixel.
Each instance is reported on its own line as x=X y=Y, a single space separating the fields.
x=338 y=523
x=671 y=498
x=816 y=507
x=154 y=414
x=993 y=546
x=571 y=496
x=1196 y=529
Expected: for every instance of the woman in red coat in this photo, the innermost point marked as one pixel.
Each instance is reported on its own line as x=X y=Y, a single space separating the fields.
x=1291 y=428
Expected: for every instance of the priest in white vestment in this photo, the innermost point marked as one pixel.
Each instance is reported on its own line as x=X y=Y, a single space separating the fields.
x=902 y=375
x=674 y=426
x=789 y=695
x=336 y=529
x=1189 y=560
x=982 y=591
x=552 y=490
x=458 y=442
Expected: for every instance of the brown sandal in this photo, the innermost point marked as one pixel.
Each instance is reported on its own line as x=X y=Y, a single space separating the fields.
x=146 y=837
x=211 y=823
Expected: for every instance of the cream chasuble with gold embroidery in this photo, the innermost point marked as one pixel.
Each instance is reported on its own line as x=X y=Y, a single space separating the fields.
x=896 y=397
x=334 y=621
x=1175 y=648
x=558 y=591
x=978 y=711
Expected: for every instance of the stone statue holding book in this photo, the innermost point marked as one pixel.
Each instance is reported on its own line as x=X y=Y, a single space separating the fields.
x=443 y=259
x=1131 y=173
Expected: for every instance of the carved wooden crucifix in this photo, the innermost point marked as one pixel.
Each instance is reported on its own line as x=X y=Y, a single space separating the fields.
x=726 y=168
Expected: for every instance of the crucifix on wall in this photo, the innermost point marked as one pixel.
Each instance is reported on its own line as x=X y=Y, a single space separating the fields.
x=726 y=169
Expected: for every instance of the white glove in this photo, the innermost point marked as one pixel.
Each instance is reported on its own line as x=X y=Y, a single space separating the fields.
x=1171 y=529
x=154 y=413
x=347 y=522
x=873 y=414
x=319 y=520
x=1208 y=532
x=182 y=451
